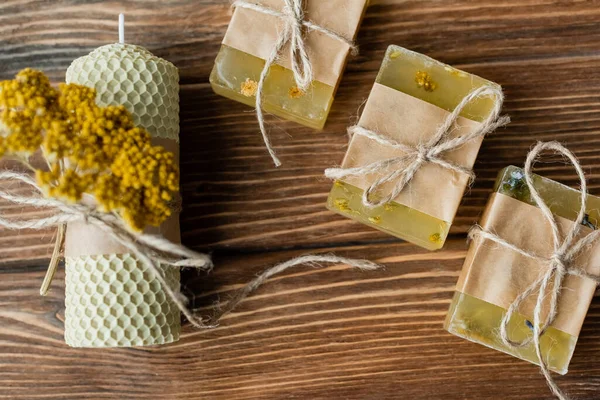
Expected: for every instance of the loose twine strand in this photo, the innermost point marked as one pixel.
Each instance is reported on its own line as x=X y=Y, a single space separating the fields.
x=292 y=16
x=155 y=252
x=559 y=263
x=415 y=157
x=312 y=260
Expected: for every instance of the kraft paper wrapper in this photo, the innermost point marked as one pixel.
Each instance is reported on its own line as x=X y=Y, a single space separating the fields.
x=82 y=239
x=396 y=115
x=256 y=33
x=498 y=275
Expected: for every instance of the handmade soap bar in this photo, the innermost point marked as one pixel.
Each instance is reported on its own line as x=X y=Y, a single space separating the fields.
x=413 y=95
x=249 y=41
x=493 y=276
x=112 y=300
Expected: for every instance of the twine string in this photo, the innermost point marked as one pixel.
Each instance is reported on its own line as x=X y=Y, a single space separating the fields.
x=312 y=260
x=566 y=248
x=294 y=23
x=431 y=151
x=153 y=251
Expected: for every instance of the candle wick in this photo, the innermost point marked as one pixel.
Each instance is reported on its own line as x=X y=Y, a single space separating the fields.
x=122 y=28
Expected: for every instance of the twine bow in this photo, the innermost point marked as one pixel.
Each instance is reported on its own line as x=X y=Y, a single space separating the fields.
x=566 y=248
x=153 y=251
x=415 y=157
x=294 y=24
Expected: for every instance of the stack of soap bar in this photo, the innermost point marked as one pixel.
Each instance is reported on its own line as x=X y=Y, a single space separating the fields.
x=493 y=276
x=250 y=39
x=412 y=96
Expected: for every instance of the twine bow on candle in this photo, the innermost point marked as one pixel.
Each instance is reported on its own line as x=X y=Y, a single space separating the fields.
x=566 y=248
x=415 y=157
x=294 y=24
x=153 y=251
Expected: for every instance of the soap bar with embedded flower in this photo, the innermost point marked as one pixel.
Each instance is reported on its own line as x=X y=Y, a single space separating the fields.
x=412 y=97
x=493 y=276
x=250 y=39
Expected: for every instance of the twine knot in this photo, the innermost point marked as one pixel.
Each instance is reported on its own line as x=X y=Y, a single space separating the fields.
x=301 y=66
x=402 y=169
x=293 y=17
x=422 y=154
x=548 y=285
x=558 y=264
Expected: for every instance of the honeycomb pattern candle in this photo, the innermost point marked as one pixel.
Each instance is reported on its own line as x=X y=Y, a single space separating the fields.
x=111 y=299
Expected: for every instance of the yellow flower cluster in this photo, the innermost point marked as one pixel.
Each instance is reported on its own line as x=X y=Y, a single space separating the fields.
x=425 y=81
x=27 y=106
x=89 y=149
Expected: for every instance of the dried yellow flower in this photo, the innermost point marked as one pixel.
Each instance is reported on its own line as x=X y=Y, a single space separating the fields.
x=435 y=238
x=249 y=88
x=89 y=149
x=425 y=81
x=375 y=220
x=295 y=92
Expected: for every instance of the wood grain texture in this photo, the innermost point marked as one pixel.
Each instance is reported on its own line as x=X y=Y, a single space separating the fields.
x=310 y=334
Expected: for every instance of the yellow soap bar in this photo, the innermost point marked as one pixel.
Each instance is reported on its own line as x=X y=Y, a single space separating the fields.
x=253 y=35
x=479 y=321
x=433 y=82
x=236 y=74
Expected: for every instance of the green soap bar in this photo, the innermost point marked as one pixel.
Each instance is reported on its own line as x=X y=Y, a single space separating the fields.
x=479 y=321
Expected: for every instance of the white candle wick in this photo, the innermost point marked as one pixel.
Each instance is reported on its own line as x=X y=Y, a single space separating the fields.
x=121 y=28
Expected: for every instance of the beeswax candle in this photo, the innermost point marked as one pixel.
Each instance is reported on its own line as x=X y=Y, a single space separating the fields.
x=111 y=298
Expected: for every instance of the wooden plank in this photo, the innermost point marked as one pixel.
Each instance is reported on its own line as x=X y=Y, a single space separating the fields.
x=544 y=53
x=308 y=333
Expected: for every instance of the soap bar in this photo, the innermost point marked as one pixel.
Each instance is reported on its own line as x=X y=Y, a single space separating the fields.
x=493 y=276
x=412 y=96
x=112 y=299
x=250 y=39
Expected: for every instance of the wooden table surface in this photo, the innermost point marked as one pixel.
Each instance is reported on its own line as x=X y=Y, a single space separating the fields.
x=309 y=333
